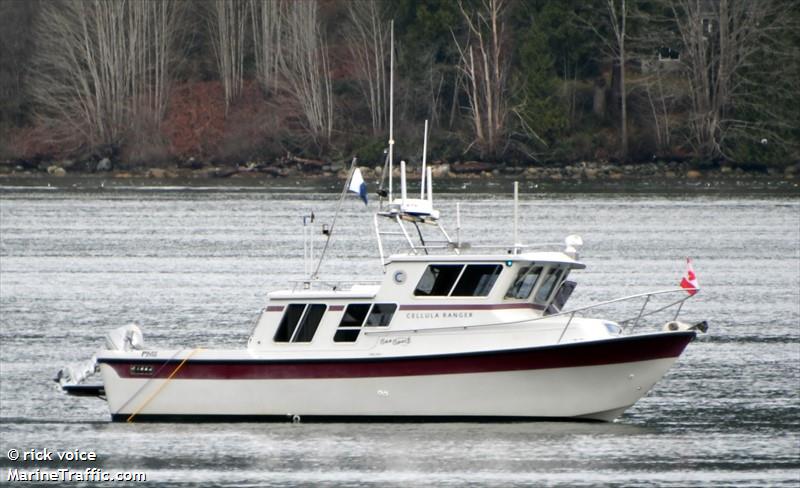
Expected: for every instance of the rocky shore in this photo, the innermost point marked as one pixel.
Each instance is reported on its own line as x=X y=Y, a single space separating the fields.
x=294 y=167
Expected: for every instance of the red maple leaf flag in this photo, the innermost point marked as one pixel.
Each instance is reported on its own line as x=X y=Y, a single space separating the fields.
x=689 y=281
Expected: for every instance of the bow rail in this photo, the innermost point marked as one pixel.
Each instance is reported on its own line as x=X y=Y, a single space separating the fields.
x=571 y=313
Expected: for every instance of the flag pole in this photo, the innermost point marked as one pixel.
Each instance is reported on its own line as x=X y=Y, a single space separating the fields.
x=329 y=234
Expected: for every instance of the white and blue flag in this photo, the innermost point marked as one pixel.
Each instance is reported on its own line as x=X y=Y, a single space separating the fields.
x=357 y=185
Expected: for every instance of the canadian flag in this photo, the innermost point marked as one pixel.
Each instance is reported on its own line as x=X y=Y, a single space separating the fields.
x=689 y=281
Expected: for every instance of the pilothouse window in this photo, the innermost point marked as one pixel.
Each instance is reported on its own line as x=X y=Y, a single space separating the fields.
x=457 y=280
x=477 y=280
x=300 y=322
x=438 y=280
x=525 y=282
x=552 y=277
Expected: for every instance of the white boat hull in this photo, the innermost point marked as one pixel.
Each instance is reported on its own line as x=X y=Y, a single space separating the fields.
x=493 y=387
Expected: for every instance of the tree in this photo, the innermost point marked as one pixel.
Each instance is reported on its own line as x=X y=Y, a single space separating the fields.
x=227 y=20
x=267 y=36
x=367 y=40
x=612 y=32
x=16 y=45
x=738 y=58
x=426 y=59
x=102 y=67
x=541 y=114
x=306 y=70
x=484 y=62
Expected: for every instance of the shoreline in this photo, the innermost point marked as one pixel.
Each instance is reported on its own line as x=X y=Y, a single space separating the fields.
x=705 y=183
x=293 y=174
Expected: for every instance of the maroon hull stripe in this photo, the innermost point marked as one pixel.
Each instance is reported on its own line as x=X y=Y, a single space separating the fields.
x=611 y=351
x=472 y=306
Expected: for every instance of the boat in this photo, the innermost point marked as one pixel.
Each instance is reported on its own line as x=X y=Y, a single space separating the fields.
x=447 y=332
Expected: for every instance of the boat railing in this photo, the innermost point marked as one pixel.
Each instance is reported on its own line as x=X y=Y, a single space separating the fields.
x=625 y=323
x=456 y=248
x=643 y=312
x=334 y=285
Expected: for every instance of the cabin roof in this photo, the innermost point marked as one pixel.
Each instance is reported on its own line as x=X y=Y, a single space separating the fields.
x=527 y=257
x=358 y=292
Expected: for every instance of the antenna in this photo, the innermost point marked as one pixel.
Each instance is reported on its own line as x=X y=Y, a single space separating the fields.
x=516 y=217
x=424 y=154
x=391 y=109
x=430 y=187
x=458 y=224
x=403 y=181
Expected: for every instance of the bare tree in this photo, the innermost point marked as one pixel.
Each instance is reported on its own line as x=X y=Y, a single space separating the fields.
x=267 y=32
x=484 y=62
x=304 y=66
x=227 y=21
x=734 y=93
x=367 y=39
x=661 y=103
x=102 y=66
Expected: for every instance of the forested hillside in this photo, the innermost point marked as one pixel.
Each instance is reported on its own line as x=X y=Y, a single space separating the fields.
x=146 y=83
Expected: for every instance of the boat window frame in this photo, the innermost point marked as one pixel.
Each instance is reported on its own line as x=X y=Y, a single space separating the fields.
x=369 y=314
x=302 y=322
x=548 y=269
x=498 y=270
x=564 y=275
x=452 y=286
x=531 y=266
x=296 y=329
x=363 y=321
x=463 y=266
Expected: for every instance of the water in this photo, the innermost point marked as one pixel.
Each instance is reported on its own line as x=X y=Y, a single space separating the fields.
x=192 y=266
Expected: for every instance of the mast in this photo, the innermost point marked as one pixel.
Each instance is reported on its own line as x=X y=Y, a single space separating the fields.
x=424 y=155
x=516 y=217
x=391 y=109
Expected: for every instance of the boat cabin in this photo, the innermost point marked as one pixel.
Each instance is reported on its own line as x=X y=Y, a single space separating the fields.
x=417 y=292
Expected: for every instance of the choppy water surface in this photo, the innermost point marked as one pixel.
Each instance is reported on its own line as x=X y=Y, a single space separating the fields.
x=192 y=266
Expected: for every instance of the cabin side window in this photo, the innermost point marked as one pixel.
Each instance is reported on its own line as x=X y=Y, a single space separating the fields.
x=458 y=280
x=380 y=315
x=300 y=322
x=358 y=315
x=525 y=282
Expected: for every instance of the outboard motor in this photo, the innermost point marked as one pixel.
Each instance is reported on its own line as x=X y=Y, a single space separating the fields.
x=73 y=377
x=126 y=338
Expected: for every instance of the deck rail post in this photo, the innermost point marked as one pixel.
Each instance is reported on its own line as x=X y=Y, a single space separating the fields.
x=565 y=328
x=641 y=311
